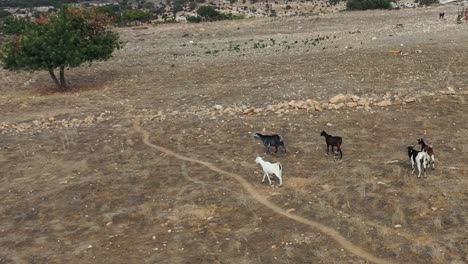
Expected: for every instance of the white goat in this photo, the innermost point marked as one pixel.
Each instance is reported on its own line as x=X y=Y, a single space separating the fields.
x=421 y=160
x=270 y=168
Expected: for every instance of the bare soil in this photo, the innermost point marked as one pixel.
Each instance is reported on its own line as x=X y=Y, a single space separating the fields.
x=134 y=165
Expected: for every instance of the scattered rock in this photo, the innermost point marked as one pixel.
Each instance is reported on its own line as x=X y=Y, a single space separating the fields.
x=386 y=102
x=337 y=99
x=363 y=102
x=339 y=106
x=249 y=111
x=218 y=107
x=353 y=97
x=449 y=91
x=409 y=99
x=290 y=210
x=351 y=104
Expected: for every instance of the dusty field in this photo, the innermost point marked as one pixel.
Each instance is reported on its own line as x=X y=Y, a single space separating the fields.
x=135 y=165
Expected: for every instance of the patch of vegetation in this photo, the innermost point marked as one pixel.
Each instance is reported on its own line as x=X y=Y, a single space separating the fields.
x=367 y=4
x=209 y=13
x=135 y=15
x=194 y=19
x=127 y=17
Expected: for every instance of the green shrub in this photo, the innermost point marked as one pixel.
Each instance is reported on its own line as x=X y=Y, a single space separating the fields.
x=208 y=13
x=194 y=19
x=148 y=5
x=135 y=15
x=367 y=4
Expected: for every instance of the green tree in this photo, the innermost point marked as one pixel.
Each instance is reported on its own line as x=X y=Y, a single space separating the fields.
x=65 y=40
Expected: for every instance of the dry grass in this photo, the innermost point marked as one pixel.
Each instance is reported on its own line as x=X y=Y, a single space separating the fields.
x=64 y=189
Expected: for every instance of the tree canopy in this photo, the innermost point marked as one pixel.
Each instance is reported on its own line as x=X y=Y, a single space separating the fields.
x=64 y=40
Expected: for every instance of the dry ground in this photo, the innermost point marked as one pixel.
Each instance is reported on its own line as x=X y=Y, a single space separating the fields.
x=99 y=192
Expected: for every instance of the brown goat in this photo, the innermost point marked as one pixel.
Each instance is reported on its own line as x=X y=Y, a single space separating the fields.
x=428 y=150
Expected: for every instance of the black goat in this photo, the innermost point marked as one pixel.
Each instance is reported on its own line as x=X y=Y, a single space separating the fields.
x=441 y=15
x=429 y=151
x=333 y=141
x=412 y=153
x=271 y=141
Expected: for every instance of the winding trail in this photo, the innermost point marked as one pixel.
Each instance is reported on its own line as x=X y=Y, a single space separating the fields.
x=333 y=234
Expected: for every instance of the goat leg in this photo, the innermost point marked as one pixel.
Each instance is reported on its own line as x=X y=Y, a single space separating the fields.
x=327 y=148
x=264 y=175
x=281 y=182
x=268 y=177
x=276 y=149
x=267 y=148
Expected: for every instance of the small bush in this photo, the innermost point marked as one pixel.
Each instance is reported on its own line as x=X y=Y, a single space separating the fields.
x=148 y=5
x=367 y=4
x=194 y=19
x=136 y=15
x=209 y=13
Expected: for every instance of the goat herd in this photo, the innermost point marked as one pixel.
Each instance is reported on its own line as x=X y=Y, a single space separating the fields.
x=421 y=159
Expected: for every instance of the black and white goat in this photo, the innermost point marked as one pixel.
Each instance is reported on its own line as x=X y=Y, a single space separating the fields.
x=270 y=168
x=333 y=141
x=271 y=141
x=429 y=151
x=420 y=158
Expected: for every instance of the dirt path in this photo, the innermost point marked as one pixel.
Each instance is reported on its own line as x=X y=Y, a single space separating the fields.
x=259 y=198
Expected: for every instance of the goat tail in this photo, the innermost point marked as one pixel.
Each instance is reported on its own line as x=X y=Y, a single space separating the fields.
x=280 y=169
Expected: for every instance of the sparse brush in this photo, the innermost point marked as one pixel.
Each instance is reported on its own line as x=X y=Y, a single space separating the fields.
x=436 y=254
x=361 y=189
x=398 y=216
x=438 y=223
x=414 y=248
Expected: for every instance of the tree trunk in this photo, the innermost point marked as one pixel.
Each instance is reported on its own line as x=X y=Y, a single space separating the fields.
x=63 y=83
x=52 y=75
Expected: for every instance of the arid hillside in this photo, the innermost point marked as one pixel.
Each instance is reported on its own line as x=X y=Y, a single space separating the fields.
x=150 y=157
